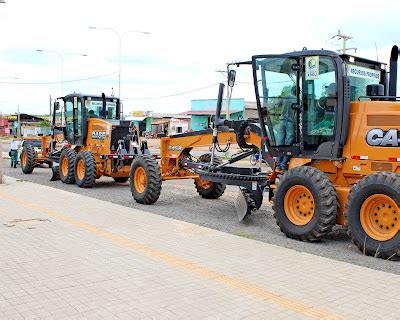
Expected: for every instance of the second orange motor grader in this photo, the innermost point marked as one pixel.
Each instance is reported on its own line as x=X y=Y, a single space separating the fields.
x=340 y=136
x=89 y=140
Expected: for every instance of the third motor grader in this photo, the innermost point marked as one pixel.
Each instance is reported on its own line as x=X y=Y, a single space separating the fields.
x=340 y=138
x=89 y=140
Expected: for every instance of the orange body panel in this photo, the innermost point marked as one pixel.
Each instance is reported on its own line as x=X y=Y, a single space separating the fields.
x=98 y=141
x=364 y=116
x=172 y=152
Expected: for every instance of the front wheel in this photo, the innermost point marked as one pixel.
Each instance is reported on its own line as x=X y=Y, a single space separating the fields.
x=209 y=189
x=67 y=165
x=28 y=159
x=145 y=180
x=305 y=204
x=373 y=215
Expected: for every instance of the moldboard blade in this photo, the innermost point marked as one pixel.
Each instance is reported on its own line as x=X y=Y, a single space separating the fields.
x=241 y=205
x=56 y=173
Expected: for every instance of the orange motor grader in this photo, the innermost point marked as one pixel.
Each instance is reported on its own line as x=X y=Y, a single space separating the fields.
x=340 y=138
x=37 y=155
x=89 y=140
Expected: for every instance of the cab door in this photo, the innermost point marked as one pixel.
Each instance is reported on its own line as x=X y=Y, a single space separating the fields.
x=73 y=120
x=69 y=119
x=321 y=107
x=78 y=121
x=276 y=84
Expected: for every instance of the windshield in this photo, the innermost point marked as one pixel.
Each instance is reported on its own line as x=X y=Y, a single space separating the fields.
x=277 y=88
x=34 y=143
x=359 y=78
x=95 y=106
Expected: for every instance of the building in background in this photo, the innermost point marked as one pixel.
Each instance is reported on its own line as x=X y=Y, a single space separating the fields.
x=160 y=124
x=30 y=125
x=141 y=119
x=4 y=129
x=198 y=118
x=203 y=111
x=250 y=110
x=170 y=123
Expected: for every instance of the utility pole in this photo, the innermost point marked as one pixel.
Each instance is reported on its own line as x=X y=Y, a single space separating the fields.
x=344 y=38
x=228 y=94
x=19 y=124
x=50 y=107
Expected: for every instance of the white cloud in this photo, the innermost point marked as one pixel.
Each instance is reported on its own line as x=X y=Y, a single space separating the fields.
x=188 y=42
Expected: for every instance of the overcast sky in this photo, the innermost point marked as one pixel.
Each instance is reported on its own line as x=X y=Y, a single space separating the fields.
x=189 y=41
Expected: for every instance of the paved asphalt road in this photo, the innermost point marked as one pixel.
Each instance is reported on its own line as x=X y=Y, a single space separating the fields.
x=179 y=200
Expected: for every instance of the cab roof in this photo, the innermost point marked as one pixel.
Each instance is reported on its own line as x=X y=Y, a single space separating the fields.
x=82 y=95
x=303 y=53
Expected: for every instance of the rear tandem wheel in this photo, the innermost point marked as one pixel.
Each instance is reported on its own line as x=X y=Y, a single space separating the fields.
x=373 y=215
x=145 y=180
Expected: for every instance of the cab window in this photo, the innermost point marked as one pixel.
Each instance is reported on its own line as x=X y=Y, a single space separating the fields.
x=360 y=77
x=320 y=100
x=277 y=87
x=69 y=119
x=78 y=117
x=94 y=109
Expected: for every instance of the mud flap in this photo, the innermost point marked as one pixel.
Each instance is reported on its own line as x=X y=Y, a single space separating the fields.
x=244 y=204
x=56 y=173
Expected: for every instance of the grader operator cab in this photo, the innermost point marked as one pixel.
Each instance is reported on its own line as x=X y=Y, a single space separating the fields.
x=89 y=140
x=332 y=124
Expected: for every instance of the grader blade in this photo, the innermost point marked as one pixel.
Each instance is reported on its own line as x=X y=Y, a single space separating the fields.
x=56 y=173
x=244 y=204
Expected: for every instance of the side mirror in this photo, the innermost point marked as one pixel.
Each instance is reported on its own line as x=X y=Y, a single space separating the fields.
x=231 y=78
x=56 y=106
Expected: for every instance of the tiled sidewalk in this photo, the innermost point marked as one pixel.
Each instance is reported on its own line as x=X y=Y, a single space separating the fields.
x=71 y=256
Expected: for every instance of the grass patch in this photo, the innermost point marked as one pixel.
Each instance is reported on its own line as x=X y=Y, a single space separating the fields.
x=22 y=180
x=245 y=235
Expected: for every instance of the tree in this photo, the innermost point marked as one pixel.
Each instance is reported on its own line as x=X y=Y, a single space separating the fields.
x=44 y=123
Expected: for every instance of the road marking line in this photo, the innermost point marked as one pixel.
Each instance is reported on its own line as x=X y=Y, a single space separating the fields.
x=261 y=293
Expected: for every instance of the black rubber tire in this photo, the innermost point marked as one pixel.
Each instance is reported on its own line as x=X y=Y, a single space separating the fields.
x=30 y=159
x=216 y=190
x=120 y=179
x=326 y=203
x=90 y=166
x=152 y=170
x=70 y=154
x=50 y=164
x=386 y=183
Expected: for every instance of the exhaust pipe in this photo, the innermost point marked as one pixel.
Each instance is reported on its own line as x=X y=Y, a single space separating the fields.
x=394 y=55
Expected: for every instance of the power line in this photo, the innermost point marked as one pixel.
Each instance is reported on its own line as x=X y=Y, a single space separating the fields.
x=55 y=82
x=173 y=95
